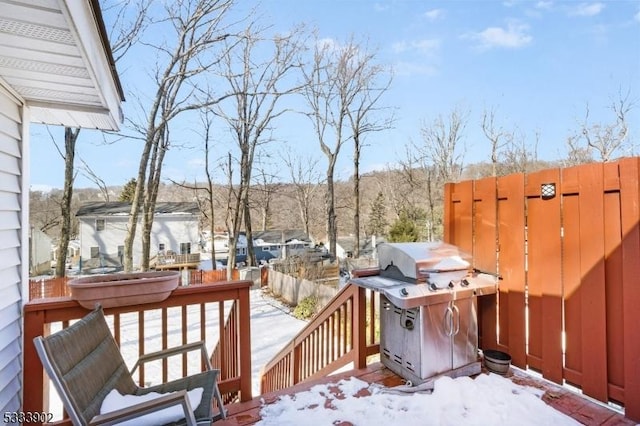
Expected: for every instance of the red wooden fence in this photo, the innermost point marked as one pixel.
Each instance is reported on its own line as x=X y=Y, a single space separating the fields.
x=569 y=301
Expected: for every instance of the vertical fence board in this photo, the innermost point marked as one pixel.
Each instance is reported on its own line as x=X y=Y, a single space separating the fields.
x=544 y=275
x=484 y=255
x=613 y=280
x=571 y=276
x=484 y=225
x=630 y=219
x=511 y=257
x=592 y=271
x=460 y=215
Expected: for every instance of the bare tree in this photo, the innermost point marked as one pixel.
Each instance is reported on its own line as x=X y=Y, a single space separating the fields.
x=70 y=139
x=192 y=29
x=498 y=137
x=259 y=72
x=607 y=140
x=443 y=146
x=577 y=153
x=306 y=180
x=90 y=174
x=518 y=156
x=333 y=83
x=372 y=82
x=440 y=157
x=208 y=205
x=263 y=192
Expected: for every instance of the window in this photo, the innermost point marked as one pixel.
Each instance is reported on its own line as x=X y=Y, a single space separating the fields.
x=100 y=224
x=185 y=248
x=95 y=252
x=161 y=247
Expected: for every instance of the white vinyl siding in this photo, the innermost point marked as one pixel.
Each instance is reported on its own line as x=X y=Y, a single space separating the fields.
x=10 y=250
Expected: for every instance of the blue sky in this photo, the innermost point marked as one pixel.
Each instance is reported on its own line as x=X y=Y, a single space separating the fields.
x=536 y=63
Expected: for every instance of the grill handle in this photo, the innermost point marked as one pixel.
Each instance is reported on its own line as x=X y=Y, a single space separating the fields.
x=448 y=321
x=452 y=320
x=457 y=318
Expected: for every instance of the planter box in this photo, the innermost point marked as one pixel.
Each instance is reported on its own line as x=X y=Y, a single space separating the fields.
x=111 y=290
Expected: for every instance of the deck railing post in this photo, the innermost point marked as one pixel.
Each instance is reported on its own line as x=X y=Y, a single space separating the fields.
x=33 y=383
x=360 y=328
x=244 y=332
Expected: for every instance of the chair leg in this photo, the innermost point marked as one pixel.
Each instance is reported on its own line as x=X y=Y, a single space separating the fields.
x=223 y=412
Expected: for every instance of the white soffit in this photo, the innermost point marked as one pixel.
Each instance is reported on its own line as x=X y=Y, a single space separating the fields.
x=52 y=53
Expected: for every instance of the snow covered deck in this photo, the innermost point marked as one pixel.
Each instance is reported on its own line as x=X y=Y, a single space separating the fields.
x=278 y=408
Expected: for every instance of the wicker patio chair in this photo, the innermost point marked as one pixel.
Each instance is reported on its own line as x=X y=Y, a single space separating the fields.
x=84 y=363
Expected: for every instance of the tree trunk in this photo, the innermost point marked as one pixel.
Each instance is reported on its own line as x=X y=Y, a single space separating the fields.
x=251 y=257
x=356 y=194
x=332 y=231
x=212 y=228
x=151 y=196
x=70 y=138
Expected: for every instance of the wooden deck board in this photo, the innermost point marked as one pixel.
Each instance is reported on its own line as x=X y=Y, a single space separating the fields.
x=570 y=403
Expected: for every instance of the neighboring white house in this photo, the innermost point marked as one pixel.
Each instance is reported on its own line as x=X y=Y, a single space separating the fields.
x=56 y=67
x=103 y=229
x=39 y=252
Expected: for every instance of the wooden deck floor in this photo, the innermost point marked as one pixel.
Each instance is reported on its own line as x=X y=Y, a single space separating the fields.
x=582 y=409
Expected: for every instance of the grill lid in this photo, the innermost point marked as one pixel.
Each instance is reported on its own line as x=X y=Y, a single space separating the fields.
x=417 y=262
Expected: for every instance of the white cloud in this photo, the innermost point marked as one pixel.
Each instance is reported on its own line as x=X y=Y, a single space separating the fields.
x=425 y=46
x=546 y=5
x=514 y=36
x=587 y=9
x=379 y=7
x=434 y=14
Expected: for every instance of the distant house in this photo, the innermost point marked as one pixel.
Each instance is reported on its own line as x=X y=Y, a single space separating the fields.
x=103 y=229
x=39 y=252
x=280 y=243
x=345 y=246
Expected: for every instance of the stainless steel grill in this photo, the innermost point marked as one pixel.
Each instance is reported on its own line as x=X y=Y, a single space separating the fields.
x=428 y=309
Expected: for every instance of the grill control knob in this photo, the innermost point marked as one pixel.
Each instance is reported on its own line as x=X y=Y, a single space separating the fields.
x=404 y=292
x=464 y=283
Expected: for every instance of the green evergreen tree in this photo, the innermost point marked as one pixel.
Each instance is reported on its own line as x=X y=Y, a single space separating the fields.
x=127 y=191
x=377 y=217
x=404 y=230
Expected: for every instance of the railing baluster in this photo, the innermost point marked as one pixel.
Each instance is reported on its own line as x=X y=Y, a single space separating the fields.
x=141 y=345
x=165 y=365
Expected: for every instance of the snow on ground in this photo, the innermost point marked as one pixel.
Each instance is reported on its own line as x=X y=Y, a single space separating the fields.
x=487 y=400
x=272 y=327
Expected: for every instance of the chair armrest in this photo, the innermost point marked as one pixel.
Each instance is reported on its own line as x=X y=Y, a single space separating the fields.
x=166 y=353
x=148 y=407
